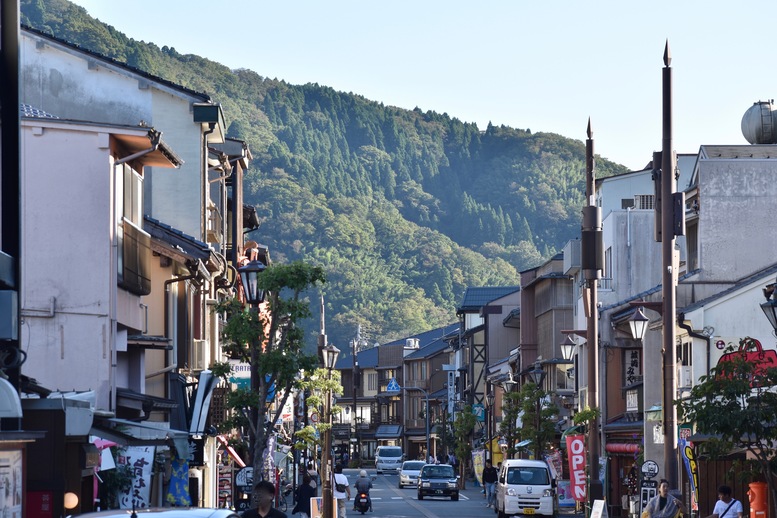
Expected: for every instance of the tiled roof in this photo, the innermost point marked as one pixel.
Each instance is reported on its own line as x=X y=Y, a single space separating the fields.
x=26 y=110
x=476 y=298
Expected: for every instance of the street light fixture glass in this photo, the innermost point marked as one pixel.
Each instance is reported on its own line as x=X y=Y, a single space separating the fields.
x=770 y=310
x=249 y=278
x=638 y=323
x=537 y=374
x=568 y=348
x=330 y=356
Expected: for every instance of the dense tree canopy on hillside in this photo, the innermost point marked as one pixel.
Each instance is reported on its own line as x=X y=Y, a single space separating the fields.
x=403 y=209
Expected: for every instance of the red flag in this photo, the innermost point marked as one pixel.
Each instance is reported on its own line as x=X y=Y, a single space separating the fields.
x=576 y=453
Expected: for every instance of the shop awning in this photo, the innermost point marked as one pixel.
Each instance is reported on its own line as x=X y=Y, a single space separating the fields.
x=388 y=431
x=131 y=433
x=621 y=447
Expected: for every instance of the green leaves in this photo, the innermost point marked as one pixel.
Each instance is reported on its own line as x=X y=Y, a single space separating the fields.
x=734 y=405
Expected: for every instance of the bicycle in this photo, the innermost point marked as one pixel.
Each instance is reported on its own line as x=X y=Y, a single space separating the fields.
x=283 y=503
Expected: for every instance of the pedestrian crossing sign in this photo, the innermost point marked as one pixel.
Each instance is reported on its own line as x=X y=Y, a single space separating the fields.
x=393 y=386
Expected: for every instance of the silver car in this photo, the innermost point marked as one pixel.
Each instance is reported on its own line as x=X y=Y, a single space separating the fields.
x=408 y=474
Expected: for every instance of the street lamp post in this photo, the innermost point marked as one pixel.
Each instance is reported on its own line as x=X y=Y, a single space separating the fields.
x=426 y=414
x=491 y=399
x=329 y=354
x=254 y=295
x=355 y=385
x=592 y=259
x=537 y=375
x=670 y=222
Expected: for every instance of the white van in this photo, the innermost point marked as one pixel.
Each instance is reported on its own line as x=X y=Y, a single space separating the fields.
x=525 y=487
x=388 y=458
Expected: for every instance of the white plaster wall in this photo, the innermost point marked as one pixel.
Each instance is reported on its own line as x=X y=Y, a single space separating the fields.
x=175 y=195
x=67 y=232
x=738 y=208
x=60 y=82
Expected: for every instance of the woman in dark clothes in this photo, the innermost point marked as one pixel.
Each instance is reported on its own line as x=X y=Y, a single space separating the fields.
x=305 y=492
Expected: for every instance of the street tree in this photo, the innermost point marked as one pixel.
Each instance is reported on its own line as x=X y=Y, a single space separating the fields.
x=539 y=428
x=318 y=385
x=511 y=411
x=463 y=426
x=734 y=405
x=271 y=340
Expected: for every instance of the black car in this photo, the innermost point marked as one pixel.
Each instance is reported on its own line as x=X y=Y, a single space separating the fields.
x=438 y=480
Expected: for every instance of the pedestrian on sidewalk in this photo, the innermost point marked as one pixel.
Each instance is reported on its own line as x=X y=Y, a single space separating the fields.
x=726 y=507
x=490 y=476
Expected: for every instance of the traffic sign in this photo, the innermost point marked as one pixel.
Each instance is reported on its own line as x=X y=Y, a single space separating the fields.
x=314 y=418
x=393 y=387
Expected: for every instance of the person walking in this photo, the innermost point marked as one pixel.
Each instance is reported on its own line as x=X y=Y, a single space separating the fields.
x=341 y=491
x=726 y=506
x=664 y=505
x=490 y=476
x=305 y=492
x=264 y=491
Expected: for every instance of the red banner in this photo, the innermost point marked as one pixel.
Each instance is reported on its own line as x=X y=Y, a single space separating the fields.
x=576 y=453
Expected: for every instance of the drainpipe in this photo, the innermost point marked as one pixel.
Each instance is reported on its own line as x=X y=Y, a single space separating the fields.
x=205 y=184
x=695 y=334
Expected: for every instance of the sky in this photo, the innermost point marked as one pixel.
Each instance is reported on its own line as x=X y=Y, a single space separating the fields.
x=547 y=66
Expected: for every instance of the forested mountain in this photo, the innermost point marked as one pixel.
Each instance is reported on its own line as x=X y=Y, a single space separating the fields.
x=404 y=209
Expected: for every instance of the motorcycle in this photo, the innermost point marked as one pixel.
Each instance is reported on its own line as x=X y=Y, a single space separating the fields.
x=362 y=503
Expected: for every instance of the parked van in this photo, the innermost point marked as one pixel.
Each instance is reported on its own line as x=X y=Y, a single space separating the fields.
x=525 y=487
x=388 y=458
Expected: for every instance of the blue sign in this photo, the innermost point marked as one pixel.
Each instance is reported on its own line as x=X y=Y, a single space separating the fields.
x=393 y=386
x=479 y=411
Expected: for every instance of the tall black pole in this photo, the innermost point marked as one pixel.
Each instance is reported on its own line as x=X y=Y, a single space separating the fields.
x=669 y=273
x=592 y=257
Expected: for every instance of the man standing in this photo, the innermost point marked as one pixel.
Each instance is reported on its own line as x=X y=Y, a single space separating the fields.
x=490 y=476
x=726 y=507
x=264 y=491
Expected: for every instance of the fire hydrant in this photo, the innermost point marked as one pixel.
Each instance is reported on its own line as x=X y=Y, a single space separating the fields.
x=758 y=496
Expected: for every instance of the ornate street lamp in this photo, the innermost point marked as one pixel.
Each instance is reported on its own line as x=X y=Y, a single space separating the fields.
x=537 y=375
x=638 y=323
x=329 y=355
x=770 y=306
x=568 y=348
x=490 y=399
x=249 y=279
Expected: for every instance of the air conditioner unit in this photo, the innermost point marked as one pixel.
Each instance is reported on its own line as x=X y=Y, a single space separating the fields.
x=200 y=355
x=684 y=377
